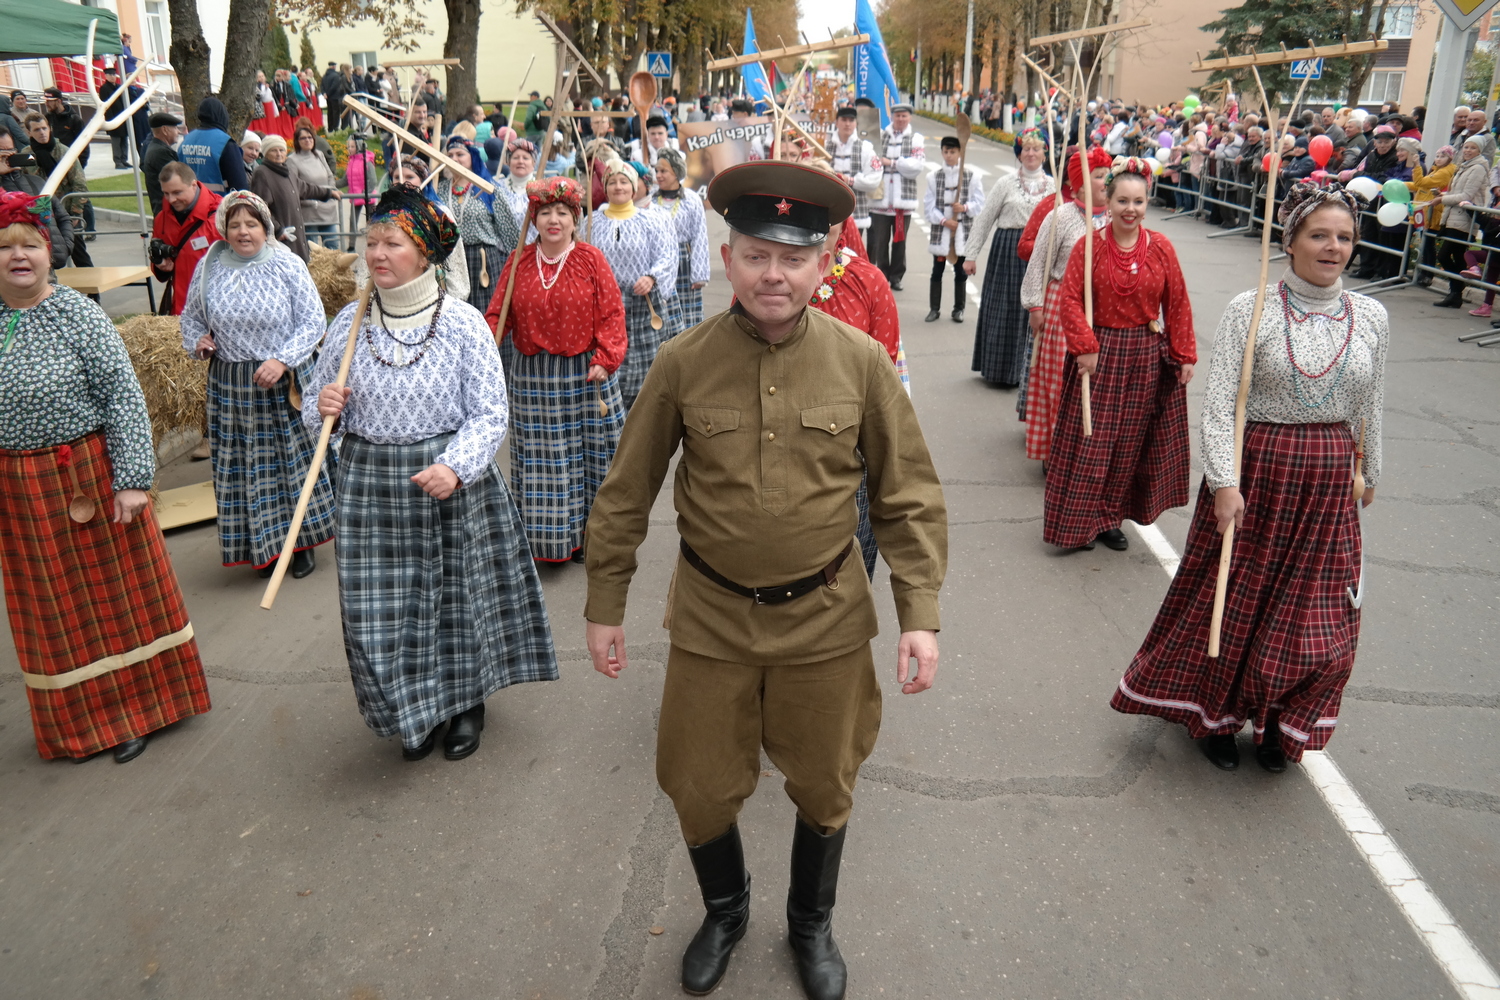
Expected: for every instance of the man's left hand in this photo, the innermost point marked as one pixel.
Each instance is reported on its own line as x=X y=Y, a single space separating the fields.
x=922 y=645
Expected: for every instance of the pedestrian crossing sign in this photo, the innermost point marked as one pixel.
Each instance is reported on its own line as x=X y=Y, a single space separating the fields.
x=1307 y=69
x=659 y=64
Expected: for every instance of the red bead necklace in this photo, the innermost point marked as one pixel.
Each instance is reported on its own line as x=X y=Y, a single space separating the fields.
x=1126 y=267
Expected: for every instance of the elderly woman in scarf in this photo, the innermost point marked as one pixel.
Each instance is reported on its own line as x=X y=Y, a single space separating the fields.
x=685 y=207
x=440 y=601
x=253 y=310
x=520 y=159
x=453 y=273
x=484 y=220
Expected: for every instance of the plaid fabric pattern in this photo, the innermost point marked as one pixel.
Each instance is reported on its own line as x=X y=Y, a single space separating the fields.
x=1000 y=335
x=938 y=236
x=560 y=448
x=689 y=299
x=77 y=593
x=892 y=175
x=480 y=290
x=441 y=603
x=1044 y=382
x=1136 y=463
x=261 y=453
x=1289 y=637
x=642 y=342
x=868 y=547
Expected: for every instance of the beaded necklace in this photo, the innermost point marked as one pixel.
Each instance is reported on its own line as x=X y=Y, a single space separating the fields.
x=1291 y=314
x=424 y=343
x=1123 y=262
x=840 y=265
x=559 y=261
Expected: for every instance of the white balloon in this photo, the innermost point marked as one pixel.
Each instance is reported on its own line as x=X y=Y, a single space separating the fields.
x=1366 y=187
x=1158 y=154
x=1391 y=213
x=1156 y=167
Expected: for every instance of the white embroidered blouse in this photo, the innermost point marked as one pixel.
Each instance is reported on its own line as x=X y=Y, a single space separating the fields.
x=1009 y=205
x=255 y=312
x=1068 y=221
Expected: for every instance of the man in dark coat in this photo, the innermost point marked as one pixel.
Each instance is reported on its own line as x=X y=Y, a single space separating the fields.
x=159 y=152
x=119 y=138
x=65 y=120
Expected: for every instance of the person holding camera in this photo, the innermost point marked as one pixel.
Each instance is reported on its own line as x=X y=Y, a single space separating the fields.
x=181 y=233
x=13 y=177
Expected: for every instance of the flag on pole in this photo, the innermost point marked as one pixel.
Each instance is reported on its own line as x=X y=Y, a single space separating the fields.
x=872 y=66
x=753 y=74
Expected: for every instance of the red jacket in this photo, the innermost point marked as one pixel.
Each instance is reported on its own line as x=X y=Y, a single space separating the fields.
x=171 y=230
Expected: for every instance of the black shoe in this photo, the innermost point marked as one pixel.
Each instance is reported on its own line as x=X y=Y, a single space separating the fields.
x=1222 y=751
x=958 y=315
x=265 y=571
x=1425 y=281
x=895 y=286
x=1450 y=301
x=934 y=315
x=1363 y=275
x=425 y=748
x=463 y=733
x=303 y=563
x=1115 y=539
x=809 y=911
x=1253 y=234
x=129 y=750
x=720 y=867
x=577 y=555
x=1268 y=754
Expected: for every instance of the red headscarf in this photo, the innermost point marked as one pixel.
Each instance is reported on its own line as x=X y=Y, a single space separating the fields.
x=17 y=208
x=1097 y=158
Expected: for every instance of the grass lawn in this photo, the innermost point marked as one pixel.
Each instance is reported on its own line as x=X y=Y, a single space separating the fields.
x=122 y=183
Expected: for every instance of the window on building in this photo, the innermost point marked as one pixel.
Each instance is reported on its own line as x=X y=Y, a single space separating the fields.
x=1382 y=86
x=1399 y=21
x=156 y=34
x=365 y=59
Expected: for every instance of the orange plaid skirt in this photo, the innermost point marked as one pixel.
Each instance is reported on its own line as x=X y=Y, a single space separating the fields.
x=1044 y=381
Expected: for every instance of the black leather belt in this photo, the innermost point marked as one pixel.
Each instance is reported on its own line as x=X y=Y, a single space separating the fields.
x=828 y=576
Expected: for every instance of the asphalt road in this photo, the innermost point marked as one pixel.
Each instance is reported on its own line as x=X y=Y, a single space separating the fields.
x=1012 y=836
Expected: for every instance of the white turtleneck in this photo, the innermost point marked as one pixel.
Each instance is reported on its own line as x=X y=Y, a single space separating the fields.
x=1008 y=206
x=408 y=306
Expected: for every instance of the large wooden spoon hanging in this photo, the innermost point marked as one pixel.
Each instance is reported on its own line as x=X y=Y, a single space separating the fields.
x=642 y=90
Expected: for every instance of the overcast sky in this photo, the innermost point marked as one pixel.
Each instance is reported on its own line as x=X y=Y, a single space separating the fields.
x=817 y=17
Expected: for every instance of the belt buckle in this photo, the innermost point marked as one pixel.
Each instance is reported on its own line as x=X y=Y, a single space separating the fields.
x=756 y=594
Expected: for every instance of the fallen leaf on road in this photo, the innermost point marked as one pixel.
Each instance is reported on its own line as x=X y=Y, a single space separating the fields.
x=658 y=929
x=305 y=892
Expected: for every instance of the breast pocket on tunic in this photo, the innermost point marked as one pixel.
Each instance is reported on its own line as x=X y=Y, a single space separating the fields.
x=831 y=434
x=710 y=421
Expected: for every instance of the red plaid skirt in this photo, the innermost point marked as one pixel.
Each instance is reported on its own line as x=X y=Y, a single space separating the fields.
x=1044 y=381
x=1289 y=635
x=1137 y=461
x=89 y=596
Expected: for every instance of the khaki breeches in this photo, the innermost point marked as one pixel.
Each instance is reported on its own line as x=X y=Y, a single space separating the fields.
x=817 y=722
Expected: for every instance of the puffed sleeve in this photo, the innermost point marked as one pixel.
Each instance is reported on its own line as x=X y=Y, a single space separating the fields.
x=984 y=221
x=929 y=201
x=116 y=393
x=1177 y=308
x=664 y=267
x=913 y=165
x=1034 y=285
x=1220 y=389
x=1374 y=401
x=609 y=314
x=486 y=408
x=326 y=371
x=1080 y=335
x=307 y=328
x=699 y=270
x=1027 y=245
x=194 y=318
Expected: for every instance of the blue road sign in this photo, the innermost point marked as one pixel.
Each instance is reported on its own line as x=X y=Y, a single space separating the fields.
x=659 y=64
x=1307 y=69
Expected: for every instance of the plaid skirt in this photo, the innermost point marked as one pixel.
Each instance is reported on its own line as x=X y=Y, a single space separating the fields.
x=642 y=342
x=1044 y=382
x=1001 y=333
x=441 y=603
x=560 y=448
x=689 y=299
x=103 y=637
x=484 y=274
x=863 y=531
x=1136 y=463
x=1287 y=645
x=261 y=453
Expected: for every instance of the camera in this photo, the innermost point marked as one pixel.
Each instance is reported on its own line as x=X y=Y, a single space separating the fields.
x=160 y=250
x=18 y=161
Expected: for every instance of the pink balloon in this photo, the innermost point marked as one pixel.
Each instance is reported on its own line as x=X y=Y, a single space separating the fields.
x=1320 y=149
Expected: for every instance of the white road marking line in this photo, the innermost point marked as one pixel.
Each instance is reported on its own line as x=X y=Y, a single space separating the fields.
x=973 y=293
x=1466 y=968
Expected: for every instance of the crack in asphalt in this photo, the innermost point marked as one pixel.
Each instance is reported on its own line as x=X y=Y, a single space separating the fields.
x=1428 y=699
x=1455 y=798
x=1488 y=498
x=645 y=893
x=1411 y=567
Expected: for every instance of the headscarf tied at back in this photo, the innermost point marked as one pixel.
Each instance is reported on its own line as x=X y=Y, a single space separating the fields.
x=1306 y=198
x=245 y=199
x=409 y=210
x=477 y=166
x=20 y=209
x=1122 y=165
x=1097 y=158
x=675 y=161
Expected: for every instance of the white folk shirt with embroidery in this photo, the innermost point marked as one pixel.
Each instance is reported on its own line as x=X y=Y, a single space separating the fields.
x=905 y=167
x=944 y=185
x=457 y=387
x=1008 y=205
x=1068 y=222
x=1274 y=384
x=645 y=243
x=255 y=313
x=686 y=213
x=857 y=162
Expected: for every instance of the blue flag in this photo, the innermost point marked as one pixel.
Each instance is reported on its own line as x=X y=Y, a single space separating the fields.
x=757 y=88
x=872 y=66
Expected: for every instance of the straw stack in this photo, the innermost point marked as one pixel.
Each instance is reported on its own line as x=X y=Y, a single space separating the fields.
x=175 y=385
x=333 y=273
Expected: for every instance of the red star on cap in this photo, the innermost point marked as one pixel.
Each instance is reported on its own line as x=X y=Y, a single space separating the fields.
x=783 y=207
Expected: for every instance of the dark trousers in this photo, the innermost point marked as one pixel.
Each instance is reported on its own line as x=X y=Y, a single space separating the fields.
x=119 y=144
x=935 y=293
x=1451 y=257
x=887 y=253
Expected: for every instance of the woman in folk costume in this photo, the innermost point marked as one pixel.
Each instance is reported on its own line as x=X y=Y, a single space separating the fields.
x=252 y=308
x=949 y=227
x=1291 y=617
x=452 y=273
x=1041 y=295
x=685 y=208
x=641 y=248
x=440 y=601
x=104 y=642
x=485 y=223
x=1002 y=337
x=1140 y=354
x=566 y=326
x=520 y=157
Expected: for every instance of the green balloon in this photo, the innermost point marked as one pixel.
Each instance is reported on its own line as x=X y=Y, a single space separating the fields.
x=1190 y=101
x=1396 y=191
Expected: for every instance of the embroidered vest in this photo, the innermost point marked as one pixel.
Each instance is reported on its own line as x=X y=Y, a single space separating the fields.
x=892 y=176
x=939 y=234
x=843 y=164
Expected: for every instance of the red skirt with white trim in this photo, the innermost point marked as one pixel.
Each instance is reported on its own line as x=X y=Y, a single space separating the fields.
x=1045 y=378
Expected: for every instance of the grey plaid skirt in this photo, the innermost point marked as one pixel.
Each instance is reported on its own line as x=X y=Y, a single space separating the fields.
x=484 y=275
x=441 y=603
x=689 y=299
x=560 y=447
x=642 y=342
x=261 y=453
x=1002 y=331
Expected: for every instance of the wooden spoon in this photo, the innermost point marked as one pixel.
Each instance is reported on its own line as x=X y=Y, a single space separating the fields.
x=1359 y=467
x=80 y=508
x=965 y=129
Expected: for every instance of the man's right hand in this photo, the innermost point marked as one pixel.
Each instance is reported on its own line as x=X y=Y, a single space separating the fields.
x=601 y=639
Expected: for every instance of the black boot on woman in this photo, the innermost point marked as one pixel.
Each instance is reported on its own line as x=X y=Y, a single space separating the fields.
x=463 y=733
x=1221 y=750
x=809 y=911
x=1268 y=754
x=1452 y=300
x=720 y=867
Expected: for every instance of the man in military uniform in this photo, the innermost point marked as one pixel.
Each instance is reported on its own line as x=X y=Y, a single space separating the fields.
x=778 y=408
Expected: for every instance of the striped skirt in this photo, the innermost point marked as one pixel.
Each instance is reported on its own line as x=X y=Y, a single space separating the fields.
x=106 y=649
x=689 y=299
x=560 y=448
x=261 y=454
x=1001 y=333
x=441 y=603
x=1136 y=463
x=642 y=342
x=1289 y=636
x=484 y=264
x=1044 y=382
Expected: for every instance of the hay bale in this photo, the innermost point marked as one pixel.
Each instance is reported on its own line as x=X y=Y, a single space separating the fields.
x=175 y=385
x=333 y=273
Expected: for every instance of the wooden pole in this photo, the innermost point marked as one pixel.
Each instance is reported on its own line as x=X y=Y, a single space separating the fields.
x=453 y=166
x=517 y=102
x=285 y=559
x=1051 y=119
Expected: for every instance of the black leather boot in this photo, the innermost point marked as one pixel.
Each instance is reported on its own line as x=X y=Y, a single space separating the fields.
x=1269 y=754
x=720 y=867
x=303 y=563
x=935 y=300
x=463 y=733
x=1221 y=750
x=809 y=911
x=130 y=750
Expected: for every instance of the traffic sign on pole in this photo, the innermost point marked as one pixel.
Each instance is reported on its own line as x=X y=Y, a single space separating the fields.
x=1307 y=69
x=659 y=64
x=1465 y=13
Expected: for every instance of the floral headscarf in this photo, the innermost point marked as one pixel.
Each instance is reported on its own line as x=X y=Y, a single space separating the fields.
x=430 y=228
x=541 y=192
x=19 y=209
x=246 y=199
